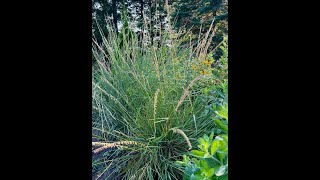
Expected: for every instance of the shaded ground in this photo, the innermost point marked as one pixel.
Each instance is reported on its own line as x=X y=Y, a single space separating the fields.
x=95 y=173
x=97 y=169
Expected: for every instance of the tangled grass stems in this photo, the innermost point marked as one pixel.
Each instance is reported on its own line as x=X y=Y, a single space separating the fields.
x=186 y=92
x=176 y=130
x=138 y=96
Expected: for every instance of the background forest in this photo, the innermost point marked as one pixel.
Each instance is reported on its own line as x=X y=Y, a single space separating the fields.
x=193 y=16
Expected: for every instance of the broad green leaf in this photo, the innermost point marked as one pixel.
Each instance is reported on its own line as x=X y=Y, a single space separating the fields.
x=185 y=159
x=198 y=153
x=201 y=140
x=210 y=173
x=211 y=136
x=223 y=150
x=207 y=155
x=221 y=156
x=224 y=137
x=223 y=144
x=200 y=146
x=213 y=162
x=204 y=165
x=203 y=144
x=206 y=138
x=222 y=114
x=214 y=147
x=221 y=126
x=196 y=161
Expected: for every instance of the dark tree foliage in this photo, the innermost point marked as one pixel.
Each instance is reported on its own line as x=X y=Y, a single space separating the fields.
x=200 y=13
x=103 y=10
x=192 y=14
x=185 y=15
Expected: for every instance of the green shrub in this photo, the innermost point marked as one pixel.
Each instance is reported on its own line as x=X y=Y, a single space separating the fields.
x=210 y=162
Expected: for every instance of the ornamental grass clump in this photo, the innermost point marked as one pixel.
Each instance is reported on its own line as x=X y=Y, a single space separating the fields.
x=144 y=112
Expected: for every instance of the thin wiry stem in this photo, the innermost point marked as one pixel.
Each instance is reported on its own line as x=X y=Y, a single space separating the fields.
x=186 y=91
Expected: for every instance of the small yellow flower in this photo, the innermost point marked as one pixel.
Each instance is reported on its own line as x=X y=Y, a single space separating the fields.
x=194 y=67
x=204 y=72
x=207 y=62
